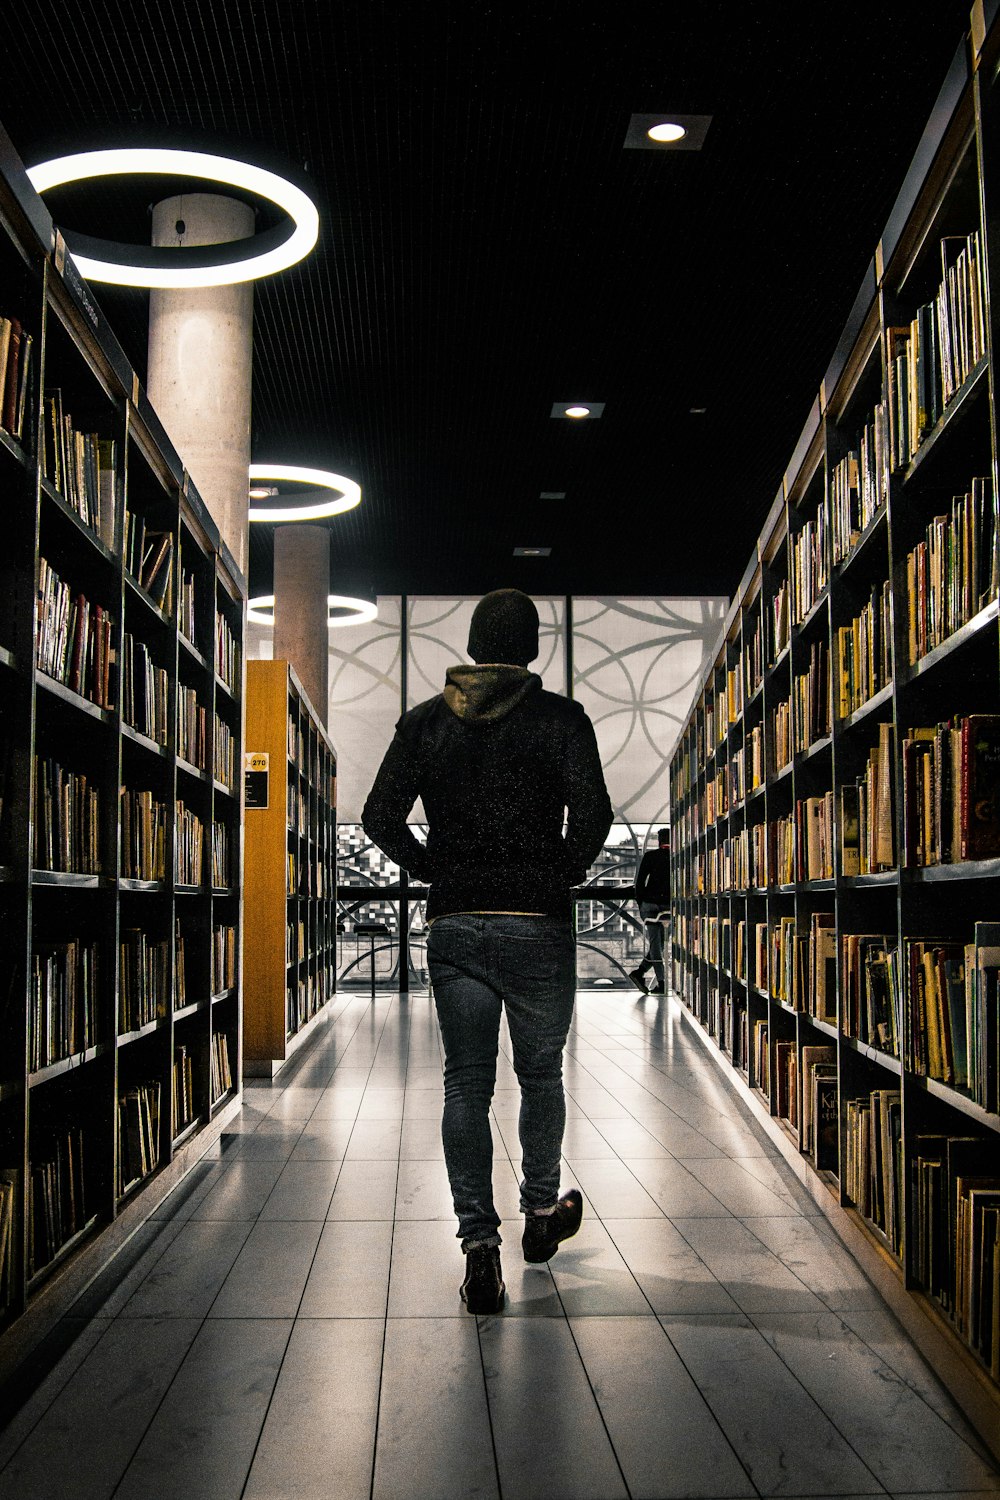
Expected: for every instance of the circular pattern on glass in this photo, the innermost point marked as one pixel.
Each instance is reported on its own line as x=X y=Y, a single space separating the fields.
x=348 y=493
x=355 y=611
x=184 y=265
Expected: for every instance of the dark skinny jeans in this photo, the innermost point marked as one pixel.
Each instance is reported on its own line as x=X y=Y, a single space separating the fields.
x=481 y=964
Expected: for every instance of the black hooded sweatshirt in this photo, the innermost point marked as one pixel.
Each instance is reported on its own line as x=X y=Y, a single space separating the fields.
x=500 y=764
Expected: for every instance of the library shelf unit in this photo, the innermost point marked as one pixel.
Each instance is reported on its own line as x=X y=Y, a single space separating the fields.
x=290 y=873
x=121 y=722
x=830 y=943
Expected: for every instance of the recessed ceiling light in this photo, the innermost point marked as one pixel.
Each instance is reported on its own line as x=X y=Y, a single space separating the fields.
x=532 y=551
x=552 y=495
x=668 y=131
x=698 y=411
x=578 y=410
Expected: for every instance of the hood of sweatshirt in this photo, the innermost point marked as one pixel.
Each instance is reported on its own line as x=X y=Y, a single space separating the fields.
x=483 y=694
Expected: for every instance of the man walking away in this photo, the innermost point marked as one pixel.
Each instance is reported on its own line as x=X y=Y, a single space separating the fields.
x=652 y=891
x=500 y=764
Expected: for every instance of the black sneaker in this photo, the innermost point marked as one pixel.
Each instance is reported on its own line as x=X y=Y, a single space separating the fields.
x=483 y=1290
x=636 y=977
x=543 y=1233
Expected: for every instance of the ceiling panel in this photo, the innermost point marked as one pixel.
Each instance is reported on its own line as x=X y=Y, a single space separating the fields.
x=488 y=247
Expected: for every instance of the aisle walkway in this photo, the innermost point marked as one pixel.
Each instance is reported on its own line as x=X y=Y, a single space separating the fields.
x=291 y=1329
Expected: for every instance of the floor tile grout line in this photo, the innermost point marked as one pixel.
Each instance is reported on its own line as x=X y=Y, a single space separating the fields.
x=170 y=1384
x=751 y=1318
x=111 y=1323
x=489 y=1409
x=676 y=1084
x=267 y=1410
x=903 y=1381
x=598 y=1218
x=294 y=1319
x=653 y=1097
x=385 y=1320
x=296 y=1316
x=566 y=1318
x=690 y=1048
x=721 y=1115
x=880 y=1488
x=43 y=1414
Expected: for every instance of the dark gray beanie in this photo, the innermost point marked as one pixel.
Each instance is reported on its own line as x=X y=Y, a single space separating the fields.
x=504 y=629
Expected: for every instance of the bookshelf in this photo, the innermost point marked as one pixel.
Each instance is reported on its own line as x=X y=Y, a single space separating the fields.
x=836 y=791
x=291 y=867
x=110 y=1019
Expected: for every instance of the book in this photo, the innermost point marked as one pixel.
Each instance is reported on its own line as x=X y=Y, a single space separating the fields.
x=826 y=1121
x=9 y=1179
x=816 y=1059
x=980 y=789
x=138 y=1134
x=66 y=827
x=156 y=568
x=221 y=1079
x=850 y=830
x=983 y=1017
x=11 y=376
x=144 y=979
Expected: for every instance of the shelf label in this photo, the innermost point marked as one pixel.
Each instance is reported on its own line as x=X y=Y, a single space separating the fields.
x=256 y=774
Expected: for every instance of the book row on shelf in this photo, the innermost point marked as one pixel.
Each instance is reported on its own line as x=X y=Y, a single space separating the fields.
x=16 y=347
x=58 y=1196
x=138 y=1134
x=57 y=1200
x=929 y=360
x=306 y=995
x=82 y=468
x=66 y=833
x=145 y=692
x=950 y=779
x=950 y=575
x=149 y=557
x=66 y=988
x=835 y=792
x=73 y=641
x=121 y=625
x=222 y=1078
x=859 y=486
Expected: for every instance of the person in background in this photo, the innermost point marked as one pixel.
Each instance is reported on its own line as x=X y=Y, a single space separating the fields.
x=652 y=892
x=500 y=764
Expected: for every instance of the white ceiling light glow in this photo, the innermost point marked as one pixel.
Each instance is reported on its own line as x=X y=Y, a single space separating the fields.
x=261 y=610
x=577 y=411
x=666 y=132
x=347 y=493
x=185 y=266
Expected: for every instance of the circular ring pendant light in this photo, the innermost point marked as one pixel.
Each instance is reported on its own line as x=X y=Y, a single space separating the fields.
x=184 y=265
x=347 y=493
x=356 y=611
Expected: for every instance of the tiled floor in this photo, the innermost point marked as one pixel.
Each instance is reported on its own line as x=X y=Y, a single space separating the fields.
x=290 y=1323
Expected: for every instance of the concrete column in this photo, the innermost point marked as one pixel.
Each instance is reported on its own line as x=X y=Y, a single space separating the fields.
x=301 y=587
x=200 y=359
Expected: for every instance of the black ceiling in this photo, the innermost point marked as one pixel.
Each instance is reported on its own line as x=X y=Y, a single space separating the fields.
x=487 y=247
